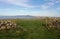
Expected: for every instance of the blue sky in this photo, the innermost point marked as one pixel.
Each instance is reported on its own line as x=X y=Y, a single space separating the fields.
x=30 y=7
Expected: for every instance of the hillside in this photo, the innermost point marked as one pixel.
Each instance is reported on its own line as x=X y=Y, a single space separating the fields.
x=15 y=17
x=31 y=29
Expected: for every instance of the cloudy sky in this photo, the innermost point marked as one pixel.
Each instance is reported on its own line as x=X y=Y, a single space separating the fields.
x=30 y=7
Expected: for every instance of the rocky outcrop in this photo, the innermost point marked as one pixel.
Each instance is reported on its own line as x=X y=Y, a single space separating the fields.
x=53 y=24
x=7 y=25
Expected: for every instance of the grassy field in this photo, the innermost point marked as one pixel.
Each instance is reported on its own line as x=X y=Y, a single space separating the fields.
x=31 y=29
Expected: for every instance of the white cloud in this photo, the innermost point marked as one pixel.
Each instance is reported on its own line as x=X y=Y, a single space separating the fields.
x=44 y=6
x=55 y=1
x=49 y=13
x=6 y=9
x=58 y=1
x=52 y=2
x=58 y=8
x=49 y=3
x=18 y=2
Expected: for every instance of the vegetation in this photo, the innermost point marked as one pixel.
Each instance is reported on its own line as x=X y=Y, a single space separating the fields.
x=32 y=29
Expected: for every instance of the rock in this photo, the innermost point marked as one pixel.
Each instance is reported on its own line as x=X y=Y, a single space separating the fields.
x=54 y=24
x=7 y=25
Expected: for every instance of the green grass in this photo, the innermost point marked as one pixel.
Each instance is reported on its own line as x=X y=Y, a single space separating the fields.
x=35 y=30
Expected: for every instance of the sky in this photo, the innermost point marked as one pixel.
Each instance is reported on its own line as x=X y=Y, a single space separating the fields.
x=30 y=7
